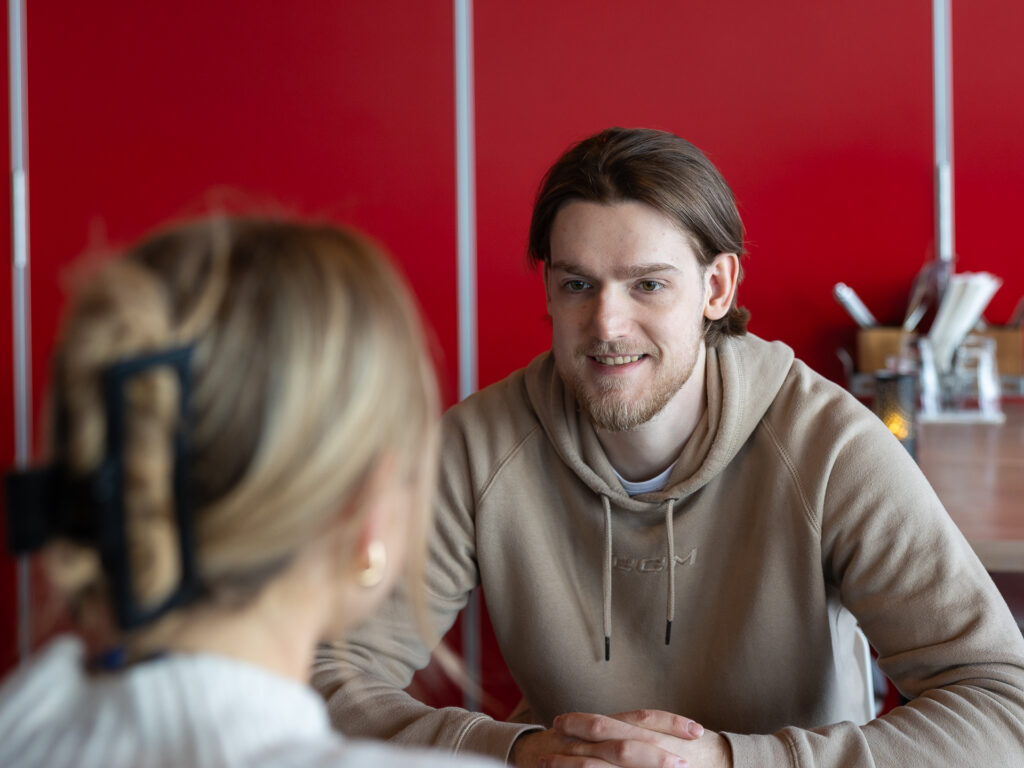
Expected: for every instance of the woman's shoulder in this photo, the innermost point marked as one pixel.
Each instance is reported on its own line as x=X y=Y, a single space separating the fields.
x=49 y=676
x=38 y=697
x=52 y=708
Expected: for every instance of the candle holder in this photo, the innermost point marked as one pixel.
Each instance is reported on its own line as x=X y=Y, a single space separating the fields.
x=895 y=404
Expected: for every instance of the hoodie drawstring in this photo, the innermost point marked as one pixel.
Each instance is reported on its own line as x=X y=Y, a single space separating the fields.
x=606 y=580
x=670 y=612
x=606 y=586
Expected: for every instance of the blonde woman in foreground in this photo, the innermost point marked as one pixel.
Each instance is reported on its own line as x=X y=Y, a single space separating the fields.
x=242 y=458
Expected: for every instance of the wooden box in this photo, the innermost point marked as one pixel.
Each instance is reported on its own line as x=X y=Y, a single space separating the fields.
x=876 y=345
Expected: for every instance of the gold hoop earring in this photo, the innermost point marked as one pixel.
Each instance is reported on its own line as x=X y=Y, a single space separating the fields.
x=373 y=574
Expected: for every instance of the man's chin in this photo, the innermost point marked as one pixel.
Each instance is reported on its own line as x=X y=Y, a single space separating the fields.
x=617 y=414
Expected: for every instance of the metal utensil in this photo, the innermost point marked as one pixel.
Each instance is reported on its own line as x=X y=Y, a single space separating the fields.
x=923 y=293
x=1017 y=318
x=850 y=301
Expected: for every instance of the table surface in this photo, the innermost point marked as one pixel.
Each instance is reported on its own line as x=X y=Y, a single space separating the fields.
x=978 y=472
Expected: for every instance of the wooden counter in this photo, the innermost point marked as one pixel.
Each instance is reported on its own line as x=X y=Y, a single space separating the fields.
x=978 y=472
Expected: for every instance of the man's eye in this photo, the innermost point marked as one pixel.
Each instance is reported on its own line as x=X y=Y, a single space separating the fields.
x=575 y=286
x=650 y=286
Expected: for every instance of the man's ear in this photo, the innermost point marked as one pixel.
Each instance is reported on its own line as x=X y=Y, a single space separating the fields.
x=721 y=277
x=547 y=288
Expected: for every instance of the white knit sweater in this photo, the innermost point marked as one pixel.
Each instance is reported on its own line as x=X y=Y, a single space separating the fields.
x=179 y=710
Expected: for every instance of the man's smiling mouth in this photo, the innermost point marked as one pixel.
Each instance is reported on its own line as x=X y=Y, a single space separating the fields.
x=617 y=359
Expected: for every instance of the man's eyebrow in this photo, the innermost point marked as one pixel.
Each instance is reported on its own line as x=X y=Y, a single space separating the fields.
x=625 y=273
x=639 y=270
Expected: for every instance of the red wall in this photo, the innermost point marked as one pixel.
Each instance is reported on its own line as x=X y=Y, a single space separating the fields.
x=989 y=143
x=139 y=112
x=819 y=114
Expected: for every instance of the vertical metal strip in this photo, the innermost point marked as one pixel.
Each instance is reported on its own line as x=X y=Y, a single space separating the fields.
x=942 y=72
x=466 y=197
x=20 y=290
x=466 y=259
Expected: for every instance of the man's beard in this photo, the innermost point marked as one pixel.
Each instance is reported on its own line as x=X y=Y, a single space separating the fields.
x=612 y=410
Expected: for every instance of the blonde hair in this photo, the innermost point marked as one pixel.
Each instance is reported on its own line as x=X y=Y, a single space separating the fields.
x=309 y=368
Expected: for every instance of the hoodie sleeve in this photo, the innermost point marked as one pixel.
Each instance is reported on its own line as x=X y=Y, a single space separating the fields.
x=942 y=631
x=363 y=677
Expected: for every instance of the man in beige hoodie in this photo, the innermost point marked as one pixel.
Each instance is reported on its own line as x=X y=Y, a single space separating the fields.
x=678 y=526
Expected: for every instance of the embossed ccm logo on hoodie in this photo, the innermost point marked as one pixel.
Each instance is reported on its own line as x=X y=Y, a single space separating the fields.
x=651 y=564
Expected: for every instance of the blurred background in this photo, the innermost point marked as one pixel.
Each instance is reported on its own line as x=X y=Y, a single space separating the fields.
x=819 y=114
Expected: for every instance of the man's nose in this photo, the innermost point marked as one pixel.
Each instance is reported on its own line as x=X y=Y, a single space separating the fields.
x=610 y=317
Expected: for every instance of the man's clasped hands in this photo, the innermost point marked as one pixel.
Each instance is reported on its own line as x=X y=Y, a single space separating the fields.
x=643 y=738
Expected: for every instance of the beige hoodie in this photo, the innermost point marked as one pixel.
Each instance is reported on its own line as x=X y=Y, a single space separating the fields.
x=791 y=511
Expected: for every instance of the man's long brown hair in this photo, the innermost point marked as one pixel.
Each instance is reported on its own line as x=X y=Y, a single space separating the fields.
x=661 y=170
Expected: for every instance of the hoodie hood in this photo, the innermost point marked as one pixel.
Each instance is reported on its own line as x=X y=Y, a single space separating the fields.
x=743 y=375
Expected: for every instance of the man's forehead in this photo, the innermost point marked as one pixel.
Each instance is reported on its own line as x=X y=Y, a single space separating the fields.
x=623 y=271
x=633 y=219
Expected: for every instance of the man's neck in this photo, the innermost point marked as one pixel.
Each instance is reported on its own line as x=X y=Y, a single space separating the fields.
x=641 y=453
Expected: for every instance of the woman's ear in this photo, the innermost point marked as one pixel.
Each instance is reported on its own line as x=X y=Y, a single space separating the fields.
x=371 y=510
x=362 y=550
x=372 y=563
x=721 y=277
